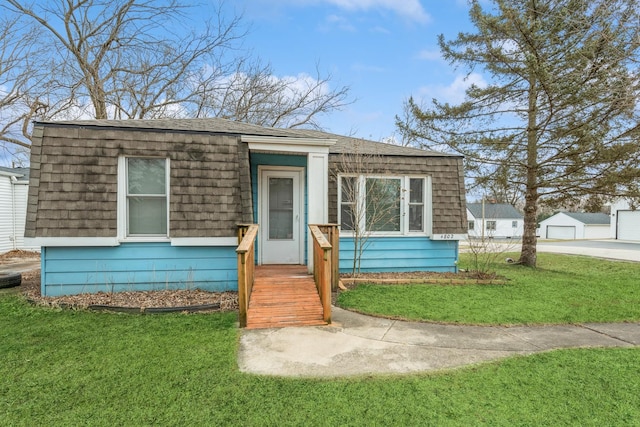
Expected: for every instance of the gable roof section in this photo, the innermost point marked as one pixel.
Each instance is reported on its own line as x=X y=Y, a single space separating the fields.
x=344 y=144
x=494 y=211
x=589 y=218
x=21 y=174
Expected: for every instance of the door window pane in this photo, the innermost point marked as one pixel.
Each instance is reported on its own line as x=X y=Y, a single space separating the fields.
x=281 y=208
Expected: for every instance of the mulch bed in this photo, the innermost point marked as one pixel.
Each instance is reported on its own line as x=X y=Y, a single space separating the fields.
x=460 y=278
x=199 y=300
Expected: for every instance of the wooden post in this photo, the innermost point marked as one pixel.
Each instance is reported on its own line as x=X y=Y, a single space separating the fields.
x=333 y=236
x=246 y=265
x=322 y=269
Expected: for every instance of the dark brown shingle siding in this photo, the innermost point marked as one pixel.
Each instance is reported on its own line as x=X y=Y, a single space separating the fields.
x=448 y=196
x=75 y=171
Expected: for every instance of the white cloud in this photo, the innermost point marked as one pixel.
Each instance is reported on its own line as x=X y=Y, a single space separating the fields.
x=453 y=93
x=430 y=55
x=336 y=21
x=411 y=9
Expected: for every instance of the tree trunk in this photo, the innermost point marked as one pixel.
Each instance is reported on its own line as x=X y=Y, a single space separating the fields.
x=528 y=255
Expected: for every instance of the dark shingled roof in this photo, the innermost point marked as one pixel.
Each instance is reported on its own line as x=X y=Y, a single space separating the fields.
x=589 y=218
x=344 y=144
x=494 y=211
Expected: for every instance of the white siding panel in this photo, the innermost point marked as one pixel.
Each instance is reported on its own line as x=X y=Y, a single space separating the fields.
x=597 y=231
x=20 y=215
x=6 y=217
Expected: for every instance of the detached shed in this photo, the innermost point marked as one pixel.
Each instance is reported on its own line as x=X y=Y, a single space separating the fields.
x=575 y=225
x=14 y=186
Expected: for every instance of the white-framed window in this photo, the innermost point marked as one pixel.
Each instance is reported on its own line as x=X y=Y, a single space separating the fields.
x=381 y=204
x=491 y=225
x=471 y=225
x=514 y=224
x=143 y=197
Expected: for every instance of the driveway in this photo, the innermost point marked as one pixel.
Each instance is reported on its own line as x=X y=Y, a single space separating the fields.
x=610 y=249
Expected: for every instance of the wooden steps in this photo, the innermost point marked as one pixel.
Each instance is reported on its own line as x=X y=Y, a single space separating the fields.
x=283 y=295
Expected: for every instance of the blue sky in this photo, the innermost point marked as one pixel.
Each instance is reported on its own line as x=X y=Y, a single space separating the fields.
x=385 y=50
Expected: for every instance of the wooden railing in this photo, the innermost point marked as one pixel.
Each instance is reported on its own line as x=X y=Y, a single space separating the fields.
x=322 y=269
x=246 y=267
x=332 y=233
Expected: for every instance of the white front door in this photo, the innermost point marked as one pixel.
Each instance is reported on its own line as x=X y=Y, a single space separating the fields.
x=281 y=216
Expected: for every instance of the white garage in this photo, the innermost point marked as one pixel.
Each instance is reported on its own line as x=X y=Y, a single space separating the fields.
x=575 y=225
x=628 y=225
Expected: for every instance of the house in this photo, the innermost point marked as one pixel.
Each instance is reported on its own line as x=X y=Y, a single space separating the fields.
x=14 y=185
x=575 y=225
x=625 y=221
x=155 y=204
x=499 y=220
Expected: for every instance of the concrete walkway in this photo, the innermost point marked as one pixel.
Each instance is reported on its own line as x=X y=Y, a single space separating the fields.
x=359 y=345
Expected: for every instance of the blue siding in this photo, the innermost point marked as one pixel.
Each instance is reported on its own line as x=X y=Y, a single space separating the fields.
x=137 y=267
x=400 y=254
x=265 y=159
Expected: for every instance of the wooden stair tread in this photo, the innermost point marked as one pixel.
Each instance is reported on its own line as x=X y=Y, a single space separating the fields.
x=284 y=296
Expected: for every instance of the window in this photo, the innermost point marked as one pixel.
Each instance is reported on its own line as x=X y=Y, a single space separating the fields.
x=416 y=204
x=514 y=224
x=471 y=225
x=146 y=196
x=348 y=200
x=381 y=204
x=491 y=225
x=382 y=199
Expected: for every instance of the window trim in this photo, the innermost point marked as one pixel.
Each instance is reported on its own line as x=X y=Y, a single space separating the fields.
x=123 y=214
x=405 y=189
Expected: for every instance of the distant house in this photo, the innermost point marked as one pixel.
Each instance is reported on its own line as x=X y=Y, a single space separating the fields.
x=625 y=221
x=499 y=220
x=14 y=185
x=575 y=225
x=147 y=204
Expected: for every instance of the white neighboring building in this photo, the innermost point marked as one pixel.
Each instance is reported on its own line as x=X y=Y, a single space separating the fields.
x=499 y=220
x=625 y=221
x=14 y=186
x=575 y=225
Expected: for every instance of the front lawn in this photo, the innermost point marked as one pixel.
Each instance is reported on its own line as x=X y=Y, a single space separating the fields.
x=65 y=367
x=562 y=289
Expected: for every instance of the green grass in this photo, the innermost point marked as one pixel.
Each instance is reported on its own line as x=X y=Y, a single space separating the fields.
x=63 y=367
x=562 y=289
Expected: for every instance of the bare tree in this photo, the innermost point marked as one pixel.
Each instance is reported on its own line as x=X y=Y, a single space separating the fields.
x=126 y=59
x=253 y=94
x=16 y=107
x=111 y=53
